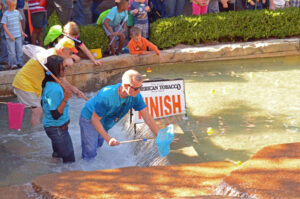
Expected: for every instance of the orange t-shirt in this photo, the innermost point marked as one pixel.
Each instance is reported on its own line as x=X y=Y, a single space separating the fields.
x=137 y=48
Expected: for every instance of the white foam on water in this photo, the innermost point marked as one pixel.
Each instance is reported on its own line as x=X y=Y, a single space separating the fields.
x=28 y=154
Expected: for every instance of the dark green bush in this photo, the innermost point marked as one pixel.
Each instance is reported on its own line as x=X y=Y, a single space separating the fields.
x=92 y=36
x=224 y=27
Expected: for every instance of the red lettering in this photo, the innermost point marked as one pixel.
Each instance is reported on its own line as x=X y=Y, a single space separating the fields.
x=154 y=107
x=161 y=106
x=167 y=101
x=176 y=104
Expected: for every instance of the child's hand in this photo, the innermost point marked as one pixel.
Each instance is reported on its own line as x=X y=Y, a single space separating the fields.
x=24 y=35
x=75 y=58
x=11 y=38
x=97 y=62
x=161 y=58
x=115 y=34
x=147 y=9
x=134 y=12
x=252 y=3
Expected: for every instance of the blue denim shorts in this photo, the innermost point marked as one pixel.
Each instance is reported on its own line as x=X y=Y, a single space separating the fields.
x=61 y=143
x=90 y=139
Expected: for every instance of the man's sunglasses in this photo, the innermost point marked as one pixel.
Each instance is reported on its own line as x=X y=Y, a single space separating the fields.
x=135 y=89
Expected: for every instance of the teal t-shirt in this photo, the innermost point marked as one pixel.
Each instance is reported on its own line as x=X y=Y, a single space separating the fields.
x=108 y=105
x=52 y=96
x=115 y=17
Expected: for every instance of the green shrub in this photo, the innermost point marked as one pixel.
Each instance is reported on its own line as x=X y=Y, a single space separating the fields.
x=93 y=36
x=226 y=27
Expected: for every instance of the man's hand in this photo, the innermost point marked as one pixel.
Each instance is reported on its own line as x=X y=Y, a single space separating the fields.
x=252 y=3
x=113 y=142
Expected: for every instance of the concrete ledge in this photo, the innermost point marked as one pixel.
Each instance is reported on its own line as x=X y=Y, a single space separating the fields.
x=88 y=77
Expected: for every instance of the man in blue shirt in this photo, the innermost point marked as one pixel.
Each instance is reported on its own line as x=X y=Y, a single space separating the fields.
x=104 y=110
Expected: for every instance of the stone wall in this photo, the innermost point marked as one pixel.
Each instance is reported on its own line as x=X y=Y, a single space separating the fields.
x=89 y=77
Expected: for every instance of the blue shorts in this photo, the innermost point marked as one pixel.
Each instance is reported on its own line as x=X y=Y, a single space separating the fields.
x=114 y=29
x=90 y=139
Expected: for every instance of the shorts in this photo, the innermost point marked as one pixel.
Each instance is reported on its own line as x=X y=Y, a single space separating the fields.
x=90 y=139
x=38 y=19
x=114 y=29
x=130 y=20
x=144 y=28
x=30 y=100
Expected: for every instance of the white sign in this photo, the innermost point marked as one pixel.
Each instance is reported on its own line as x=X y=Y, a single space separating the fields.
x=163 y=98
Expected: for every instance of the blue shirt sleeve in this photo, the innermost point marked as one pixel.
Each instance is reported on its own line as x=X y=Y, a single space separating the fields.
x=139 y=103
x=111 y=15
x=53 y=97
x=4 y=18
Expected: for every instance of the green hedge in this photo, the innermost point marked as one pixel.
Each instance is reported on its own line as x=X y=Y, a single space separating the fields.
x=224 y=27
x=92 y=36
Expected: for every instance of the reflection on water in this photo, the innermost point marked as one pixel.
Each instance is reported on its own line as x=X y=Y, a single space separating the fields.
x=27 y=154
x=247 y=104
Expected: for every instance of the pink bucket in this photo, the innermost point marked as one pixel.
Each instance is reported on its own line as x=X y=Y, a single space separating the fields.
x=15 y=115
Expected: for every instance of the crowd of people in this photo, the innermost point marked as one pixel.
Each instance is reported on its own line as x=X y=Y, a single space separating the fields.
x=41 y=93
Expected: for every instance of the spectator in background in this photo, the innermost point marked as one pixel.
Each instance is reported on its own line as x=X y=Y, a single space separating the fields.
x=94 y=10
x=139 y=9
x=38 y=20
x=20 y=7
x=112 y=25
x=138 y=45
x=12 y=26
x=279 y=4
x=71 y=29
x=174 y=8
x=77 y=13
x=295 y=3
x=3 y=48
x=63 y=9
x=226 y=5
x=213 y=6
x=200 y=7
x=255 y=4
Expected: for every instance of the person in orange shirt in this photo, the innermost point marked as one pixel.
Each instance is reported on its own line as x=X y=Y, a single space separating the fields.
x=138 y=44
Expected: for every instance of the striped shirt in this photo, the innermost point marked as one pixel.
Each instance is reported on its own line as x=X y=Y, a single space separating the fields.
x=12 y=20
x=295 y=3
x=34 y=6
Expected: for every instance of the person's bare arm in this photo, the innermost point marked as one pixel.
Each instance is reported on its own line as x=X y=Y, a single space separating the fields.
x=8 y=33
x=72 y=88
x=149 y=121
x=100 y=129
x=89 y=54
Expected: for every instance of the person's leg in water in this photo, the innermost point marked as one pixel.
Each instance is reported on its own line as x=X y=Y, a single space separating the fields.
x=36 y=113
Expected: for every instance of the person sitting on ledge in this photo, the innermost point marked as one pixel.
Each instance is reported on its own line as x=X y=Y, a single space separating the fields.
x=138 y=45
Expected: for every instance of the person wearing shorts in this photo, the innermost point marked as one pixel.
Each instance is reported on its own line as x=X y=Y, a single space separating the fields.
x=28 y=81
x=38 y=19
